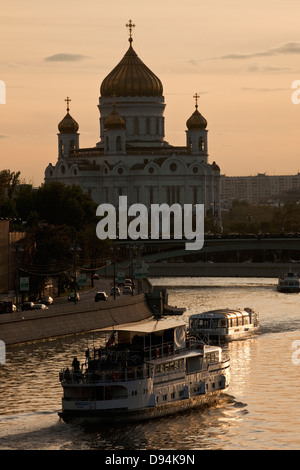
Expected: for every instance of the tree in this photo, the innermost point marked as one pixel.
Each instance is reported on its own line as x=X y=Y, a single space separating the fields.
x=60 y=204
x=9 y=182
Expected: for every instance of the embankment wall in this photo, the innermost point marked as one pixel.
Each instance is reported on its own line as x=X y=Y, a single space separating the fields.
x=221 y=269
x=20 y=327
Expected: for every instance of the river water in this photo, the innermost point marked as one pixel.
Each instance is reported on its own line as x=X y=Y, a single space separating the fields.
x=260 y=411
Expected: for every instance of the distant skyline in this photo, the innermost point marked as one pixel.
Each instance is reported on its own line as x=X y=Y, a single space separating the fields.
x=241 y=57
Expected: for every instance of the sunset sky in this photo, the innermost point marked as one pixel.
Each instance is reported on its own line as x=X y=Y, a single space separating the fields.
x=240 y=56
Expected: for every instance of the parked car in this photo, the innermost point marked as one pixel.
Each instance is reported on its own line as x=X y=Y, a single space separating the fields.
x=27 y=306
x=72 y=298
x=47 y=300
x=115 y=290
x=101 y=296
x=39 y=307
x=127 y=290
x=130 y=282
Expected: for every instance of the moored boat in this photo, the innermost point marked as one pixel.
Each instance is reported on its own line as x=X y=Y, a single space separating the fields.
x=224 y=325
x=146 y=370
x=288 y=282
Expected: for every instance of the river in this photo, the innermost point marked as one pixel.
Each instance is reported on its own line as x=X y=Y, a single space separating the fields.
x=261 y=410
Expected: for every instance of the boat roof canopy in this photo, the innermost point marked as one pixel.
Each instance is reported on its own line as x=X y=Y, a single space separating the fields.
x=152 y=326
x=221 y=313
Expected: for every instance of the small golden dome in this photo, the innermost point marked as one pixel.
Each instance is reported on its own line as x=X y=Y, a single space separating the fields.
x=114 y=121
x=131 y=77
x=196 y=121
x=68 y=125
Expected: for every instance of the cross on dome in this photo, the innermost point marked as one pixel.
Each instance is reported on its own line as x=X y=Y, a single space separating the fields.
x=130 y=25
x=68 y=100
x=196 y=96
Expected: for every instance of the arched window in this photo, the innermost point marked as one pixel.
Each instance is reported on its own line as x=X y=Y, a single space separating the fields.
x=148 y=125
x=136 y=126
x=201 y=144
x=119 y=143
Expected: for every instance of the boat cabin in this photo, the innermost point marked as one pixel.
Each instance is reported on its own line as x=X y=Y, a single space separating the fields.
x=223 y=324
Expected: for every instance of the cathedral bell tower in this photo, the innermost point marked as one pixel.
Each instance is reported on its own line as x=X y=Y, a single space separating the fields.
x=114 y=134
x=196 y=135
x=68 y=137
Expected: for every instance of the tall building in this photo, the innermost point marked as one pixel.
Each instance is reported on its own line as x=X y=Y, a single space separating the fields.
x=132 y=157
x=261 y=188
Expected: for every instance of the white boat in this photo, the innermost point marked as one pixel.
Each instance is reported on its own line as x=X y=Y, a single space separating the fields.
x=152 y=369
x=288 y=282
x=224 y=325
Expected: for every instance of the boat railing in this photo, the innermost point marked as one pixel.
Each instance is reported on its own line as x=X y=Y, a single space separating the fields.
x=125 y=371
x=115 y=374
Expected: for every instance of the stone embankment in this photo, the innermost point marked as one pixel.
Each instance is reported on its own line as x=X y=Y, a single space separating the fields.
x=246 y=269
x=35 y=325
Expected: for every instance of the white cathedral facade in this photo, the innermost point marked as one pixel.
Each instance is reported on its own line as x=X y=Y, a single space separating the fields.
x=132 y=157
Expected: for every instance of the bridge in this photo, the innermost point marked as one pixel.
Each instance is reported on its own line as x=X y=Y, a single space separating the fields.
x=170 y=258
x=157 y=250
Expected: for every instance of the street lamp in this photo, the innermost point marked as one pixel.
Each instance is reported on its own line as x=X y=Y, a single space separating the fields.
x=115 y=248
x=17 y=249
x=75 y=248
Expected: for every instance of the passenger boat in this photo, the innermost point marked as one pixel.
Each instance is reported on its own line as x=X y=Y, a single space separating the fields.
x=224 y=325
x=288 y=282
x=146 y=370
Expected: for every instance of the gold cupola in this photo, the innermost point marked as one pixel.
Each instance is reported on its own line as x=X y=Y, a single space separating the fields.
x=196 y=121
x=114 y=121
x=131 y=77
x=68 y=125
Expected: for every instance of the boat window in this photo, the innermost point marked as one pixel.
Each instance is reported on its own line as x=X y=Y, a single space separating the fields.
x=240 y=321
x=223 y=323
x=246 y=320
x=204 y=323
x=211 y=357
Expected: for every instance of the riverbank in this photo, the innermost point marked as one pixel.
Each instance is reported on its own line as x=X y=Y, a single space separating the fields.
x=62 y=320
x=209 y=269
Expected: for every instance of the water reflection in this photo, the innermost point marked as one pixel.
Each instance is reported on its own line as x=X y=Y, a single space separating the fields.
x=260 y=411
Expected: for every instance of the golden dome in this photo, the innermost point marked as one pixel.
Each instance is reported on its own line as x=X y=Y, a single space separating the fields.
x=114 y=121
x=68 y=125
x=131 y=77
x=196 y=121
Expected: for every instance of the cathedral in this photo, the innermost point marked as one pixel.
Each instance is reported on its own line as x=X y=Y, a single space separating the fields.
x=132 y=157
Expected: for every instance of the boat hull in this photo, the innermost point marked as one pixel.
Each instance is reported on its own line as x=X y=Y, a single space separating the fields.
x=288 y=290
x=118 y=416
x=215 y=338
